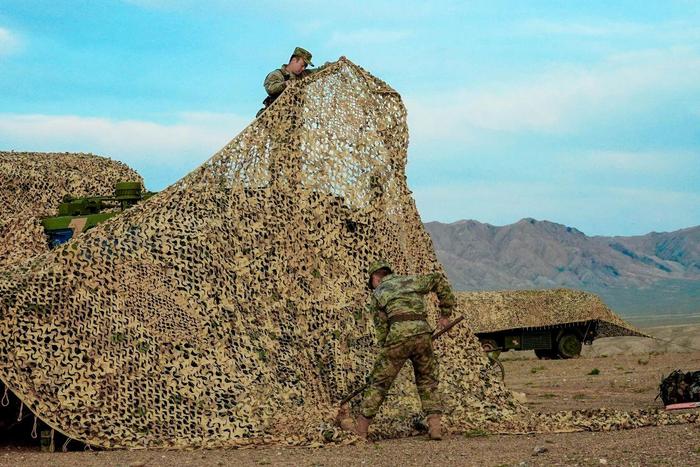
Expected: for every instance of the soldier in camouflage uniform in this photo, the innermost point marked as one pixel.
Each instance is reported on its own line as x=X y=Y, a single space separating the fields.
x=276 y=80
x=398 y=308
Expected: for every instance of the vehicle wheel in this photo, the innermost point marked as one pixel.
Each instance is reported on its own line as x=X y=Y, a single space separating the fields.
x=496 y=368
x=489 y=345
x=545 y=354
x=569 y=345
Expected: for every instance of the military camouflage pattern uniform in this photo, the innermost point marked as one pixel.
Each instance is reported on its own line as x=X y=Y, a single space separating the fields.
x=276 y=80
x=398 y=308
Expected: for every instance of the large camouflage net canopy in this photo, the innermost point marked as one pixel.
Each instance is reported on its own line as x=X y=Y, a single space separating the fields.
x=32 y=185
x=228 y=310
x=541 y=309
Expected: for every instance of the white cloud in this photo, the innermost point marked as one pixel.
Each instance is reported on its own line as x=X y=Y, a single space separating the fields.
x=364 y=37
x=186 y=143
x=680 y=32
x=9 y=42
x=640 y=162
x=556 y=101
x=597 y=29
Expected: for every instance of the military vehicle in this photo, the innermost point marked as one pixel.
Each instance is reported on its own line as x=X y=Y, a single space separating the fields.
x=550 y=342
x=77 y=215
x=555 y=323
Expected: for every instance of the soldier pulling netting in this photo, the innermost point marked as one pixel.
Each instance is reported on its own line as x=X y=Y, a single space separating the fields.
x=228 y=309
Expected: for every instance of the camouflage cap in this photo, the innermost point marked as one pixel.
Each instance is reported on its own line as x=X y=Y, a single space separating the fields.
x=374 y=267
x=304 y=54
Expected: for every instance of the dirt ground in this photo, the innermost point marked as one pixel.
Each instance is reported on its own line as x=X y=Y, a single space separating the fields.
x=629 y=371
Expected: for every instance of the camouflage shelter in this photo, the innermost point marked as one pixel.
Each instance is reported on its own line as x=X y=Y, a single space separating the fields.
x=228 y=309
x=541 y=309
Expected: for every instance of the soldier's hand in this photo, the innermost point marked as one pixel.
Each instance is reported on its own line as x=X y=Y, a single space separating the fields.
x=443 y=322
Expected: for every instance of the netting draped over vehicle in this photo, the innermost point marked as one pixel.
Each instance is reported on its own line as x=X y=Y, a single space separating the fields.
x=229 y=308
x=32 y=185
x=540 y=309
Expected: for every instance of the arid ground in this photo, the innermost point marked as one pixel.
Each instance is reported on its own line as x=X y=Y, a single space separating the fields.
x=629 y=371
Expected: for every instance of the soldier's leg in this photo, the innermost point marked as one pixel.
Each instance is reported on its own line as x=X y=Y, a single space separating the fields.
x=387 y=366
x=425 y=369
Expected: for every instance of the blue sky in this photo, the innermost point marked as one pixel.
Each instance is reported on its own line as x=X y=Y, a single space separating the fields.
x=583 y=113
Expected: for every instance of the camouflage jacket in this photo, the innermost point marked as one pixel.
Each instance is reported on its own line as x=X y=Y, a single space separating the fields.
x=401 y=295
x=276 y=80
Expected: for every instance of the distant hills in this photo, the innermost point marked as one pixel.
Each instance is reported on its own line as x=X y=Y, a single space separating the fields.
x=647 y=277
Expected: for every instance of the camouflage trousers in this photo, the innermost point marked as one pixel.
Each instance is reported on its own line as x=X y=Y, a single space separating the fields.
x=418 y=349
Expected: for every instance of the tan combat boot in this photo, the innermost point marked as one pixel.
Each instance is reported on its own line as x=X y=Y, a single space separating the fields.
x=434 y=428
x=362 y=426
x=344 y=420
x=359 y=426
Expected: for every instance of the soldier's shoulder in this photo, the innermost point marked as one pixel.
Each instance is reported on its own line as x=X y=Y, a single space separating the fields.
x=401 y=281
x=411 y=277
x=276 y=71
x=393 y=278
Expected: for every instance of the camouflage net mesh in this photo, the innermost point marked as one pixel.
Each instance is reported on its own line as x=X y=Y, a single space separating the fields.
x=531 y=309
x=32 y=186
x=228 y=310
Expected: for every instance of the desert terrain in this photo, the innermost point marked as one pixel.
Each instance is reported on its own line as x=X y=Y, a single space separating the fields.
x=628 y=373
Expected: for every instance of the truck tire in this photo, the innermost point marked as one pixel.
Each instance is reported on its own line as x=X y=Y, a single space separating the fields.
x=489 y=345
x=569 y=345
x=495 y=368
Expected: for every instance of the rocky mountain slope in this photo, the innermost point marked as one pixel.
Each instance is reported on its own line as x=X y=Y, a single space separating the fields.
x=647 y=272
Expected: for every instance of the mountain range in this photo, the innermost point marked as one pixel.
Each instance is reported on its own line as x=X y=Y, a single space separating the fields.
x=640 y=276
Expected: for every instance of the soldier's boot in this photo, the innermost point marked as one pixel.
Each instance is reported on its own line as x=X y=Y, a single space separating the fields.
x=359 y=426
x=362 y=426
x=344 y=420
x=434 y=427
x=347 y=424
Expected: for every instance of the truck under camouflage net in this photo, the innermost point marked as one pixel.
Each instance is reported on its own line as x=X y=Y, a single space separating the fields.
x=78 y=215
x=33 y=185
x=553 y=323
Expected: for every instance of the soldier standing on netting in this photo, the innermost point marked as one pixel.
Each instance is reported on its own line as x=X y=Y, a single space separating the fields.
x=398 y=307
x=276 y=80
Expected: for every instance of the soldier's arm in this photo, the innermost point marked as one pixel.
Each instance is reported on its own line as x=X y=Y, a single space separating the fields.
x=381 y=324
x=275 y=83
x=436 y=282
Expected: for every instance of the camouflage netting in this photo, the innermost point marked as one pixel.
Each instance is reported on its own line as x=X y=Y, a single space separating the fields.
x=32 y=185
x=539 y=309
x=228 y=309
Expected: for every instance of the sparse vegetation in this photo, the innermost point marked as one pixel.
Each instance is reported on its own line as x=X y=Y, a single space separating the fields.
x=476 y=433
x=594 y=371
x=535 y=369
